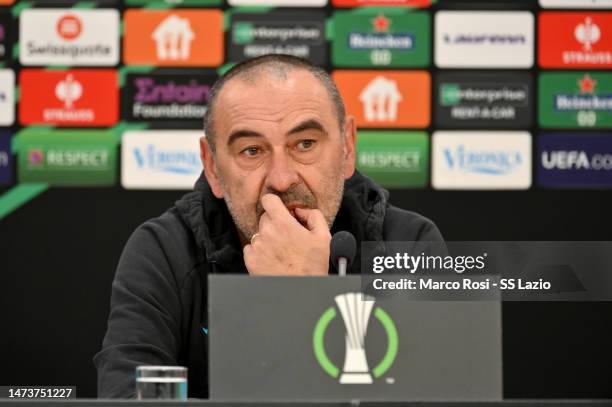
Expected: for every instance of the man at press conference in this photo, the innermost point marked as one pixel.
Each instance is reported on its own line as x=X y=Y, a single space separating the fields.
x=279 y=179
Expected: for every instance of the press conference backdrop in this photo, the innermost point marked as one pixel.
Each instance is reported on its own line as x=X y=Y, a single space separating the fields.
x=492 y=118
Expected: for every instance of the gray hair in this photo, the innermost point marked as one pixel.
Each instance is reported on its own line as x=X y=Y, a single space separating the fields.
x=279 y=66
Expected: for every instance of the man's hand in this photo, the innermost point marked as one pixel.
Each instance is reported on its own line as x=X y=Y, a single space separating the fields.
x=283 y=246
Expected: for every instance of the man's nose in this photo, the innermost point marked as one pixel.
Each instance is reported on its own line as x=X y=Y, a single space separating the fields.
x=281 y=172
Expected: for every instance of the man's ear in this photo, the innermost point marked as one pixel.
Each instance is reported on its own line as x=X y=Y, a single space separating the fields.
x=350 y=146
x=210 y=170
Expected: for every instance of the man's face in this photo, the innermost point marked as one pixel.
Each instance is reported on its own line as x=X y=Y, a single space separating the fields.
x=281 y=136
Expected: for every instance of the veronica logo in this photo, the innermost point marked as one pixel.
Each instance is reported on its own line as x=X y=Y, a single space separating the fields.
x=481 y=160
x=179 y=162
x=160 y=159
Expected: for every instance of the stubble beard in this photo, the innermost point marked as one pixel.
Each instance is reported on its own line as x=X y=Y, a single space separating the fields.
x=246 y=217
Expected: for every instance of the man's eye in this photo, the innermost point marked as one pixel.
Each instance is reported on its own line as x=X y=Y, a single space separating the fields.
x=306 y=145
x=250 y=151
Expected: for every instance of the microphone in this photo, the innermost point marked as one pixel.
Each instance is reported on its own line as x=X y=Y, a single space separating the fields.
x=343 y=248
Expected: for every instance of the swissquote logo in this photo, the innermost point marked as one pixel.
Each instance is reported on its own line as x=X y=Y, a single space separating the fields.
x=575 y=40
x=356 y=311
x=69 y=37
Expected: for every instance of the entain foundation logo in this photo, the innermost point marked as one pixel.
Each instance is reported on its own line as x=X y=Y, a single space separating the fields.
x=173 y=38
x=72 y=37
x=483 y=100
x=299 y=34
x=575 y=100
x=575 y=160
x=388 y=38
x=79 y=98
x=575 y=40
x=168 y=96
x=386 y=98
x=356 y=311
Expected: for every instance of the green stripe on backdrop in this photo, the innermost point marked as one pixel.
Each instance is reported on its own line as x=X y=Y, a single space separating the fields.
x=19 y=196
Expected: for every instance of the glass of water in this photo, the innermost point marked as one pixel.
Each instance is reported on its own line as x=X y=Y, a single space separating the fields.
x=161 y=382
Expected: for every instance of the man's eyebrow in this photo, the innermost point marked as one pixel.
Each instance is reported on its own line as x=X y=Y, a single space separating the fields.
x=307 y=125
x=242 y=133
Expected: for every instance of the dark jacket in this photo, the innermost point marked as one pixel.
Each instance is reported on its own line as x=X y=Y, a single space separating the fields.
x=159 y=296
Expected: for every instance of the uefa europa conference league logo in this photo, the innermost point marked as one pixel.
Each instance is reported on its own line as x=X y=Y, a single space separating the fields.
x=356 y=310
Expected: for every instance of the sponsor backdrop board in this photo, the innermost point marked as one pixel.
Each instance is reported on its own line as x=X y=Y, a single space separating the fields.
x=298 y=33
x=159 y=159
x=481 y=160
x=576 y=3
x=394 y=159
x=7 y=97
x=575 y=100
x=6 y=159
x=483 y=100
x=386 y=98
x=575 y=40
x=575 y=160
x=75 y=98
x=6 y=40
x=395 y=37
x=484 y=39
x=273 y=3
x=191 y=37
x=167 y=96
x=72 y=37
x=385 y=3
x=68 y=157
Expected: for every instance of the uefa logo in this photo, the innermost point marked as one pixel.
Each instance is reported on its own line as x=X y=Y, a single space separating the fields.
x=356 y=309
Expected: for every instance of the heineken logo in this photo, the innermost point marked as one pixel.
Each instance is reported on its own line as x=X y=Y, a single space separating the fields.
x=585 y=100
x=573 y=100
x=356 y=310
x=381 y=38
x=375 y=38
